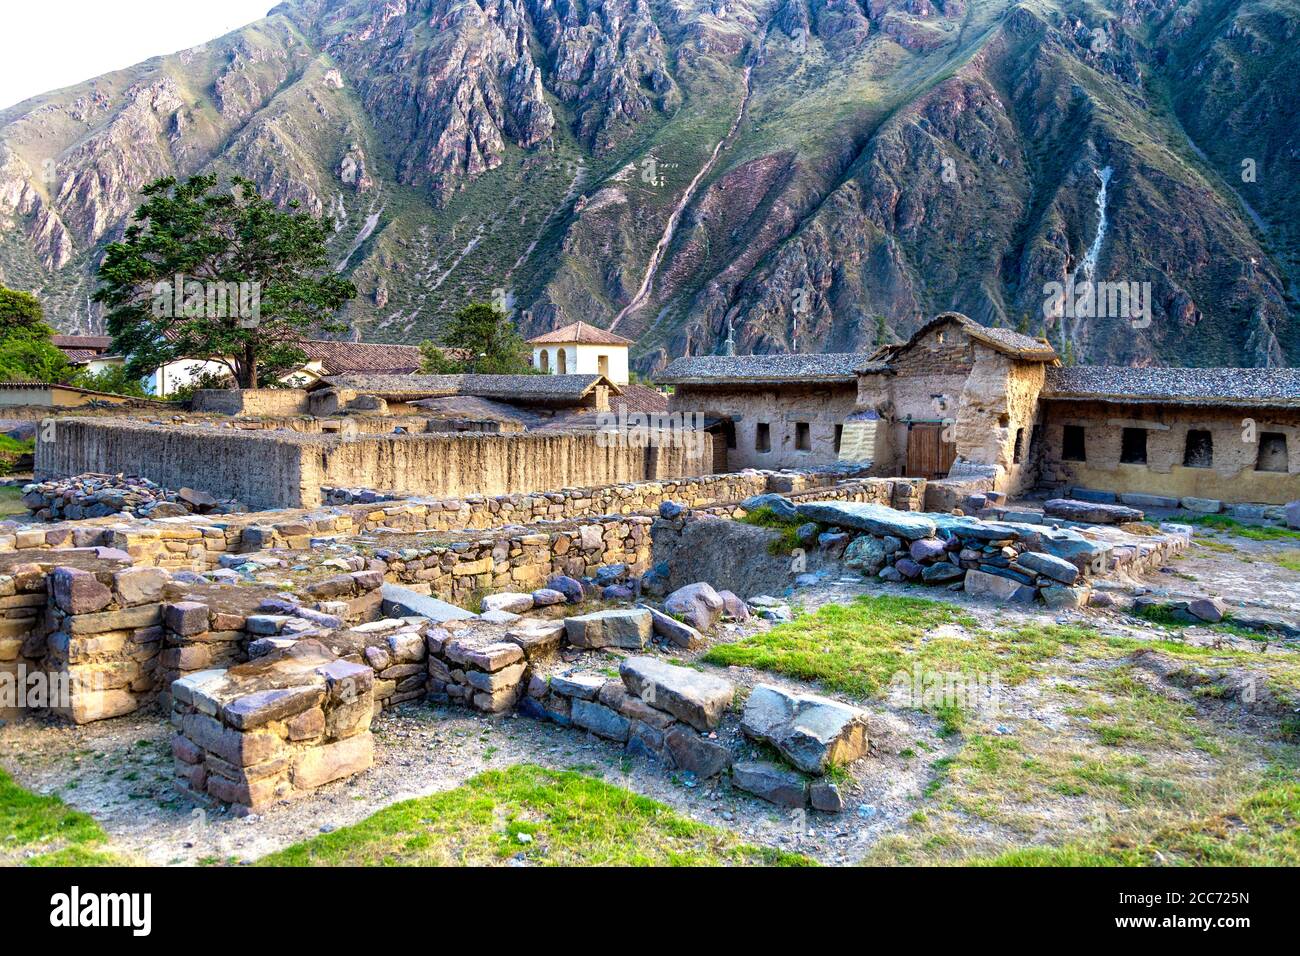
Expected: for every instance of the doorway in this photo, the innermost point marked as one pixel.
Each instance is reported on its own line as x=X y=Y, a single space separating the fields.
x=928 y=455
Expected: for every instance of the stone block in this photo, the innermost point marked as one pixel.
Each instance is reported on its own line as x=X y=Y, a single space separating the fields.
x=691 y=696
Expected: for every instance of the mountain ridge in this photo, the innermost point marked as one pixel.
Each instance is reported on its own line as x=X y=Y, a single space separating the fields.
x=892 y=157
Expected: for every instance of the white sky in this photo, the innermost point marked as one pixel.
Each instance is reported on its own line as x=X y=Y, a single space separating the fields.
x=50 y=44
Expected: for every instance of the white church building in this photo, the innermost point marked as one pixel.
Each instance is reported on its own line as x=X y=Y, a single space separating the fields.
x=582 y=349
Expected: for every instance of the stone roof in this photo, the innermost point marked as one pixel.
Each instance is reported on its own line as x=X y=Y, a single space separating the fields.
x=1023 y=347
x=582 y=334
x=1239 y=387
x=779 y=368
x=538 y=388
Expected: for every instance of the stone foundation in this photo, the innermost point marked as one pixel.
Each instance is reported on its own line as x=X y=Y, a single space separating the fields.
x=273 y=729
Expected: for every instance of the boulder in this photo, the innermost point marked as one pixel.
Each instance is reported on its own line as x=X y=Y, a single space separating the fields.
x=670 y=509
x=697 y=604
x=510 y=602
x=1211 y=610
x=545 y=597
x=698 y=755
x=672 y=630
x=1059 y=597
x=571 y=588
x=984 y=585
x=927 y=549
x=826 y=796
x=908 y=568
x=1091 y=512
x=689 y=695
x=866 y=553
x=944 y=572
x=1208 y=506
x=876 y=519
x=733 y=607
x=629 y=628
x=78 y=592
x=770 y=782
x=813 y=733
x=1293 y=514
x=779 y=506
x=1058 y=569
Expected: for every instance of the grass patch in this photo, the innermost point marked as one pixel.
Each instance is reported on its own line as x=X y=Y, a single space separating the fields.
x=1289 y=559
x=765 y=517
x=12 y=451
x=64 y=837
x=1233 y=526
x=545 y=817
x=11 y=501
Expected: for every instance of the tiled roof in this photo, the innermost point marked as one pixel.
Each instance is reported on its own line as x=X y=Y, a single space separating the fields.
x=92 y=343
x=503 y=387
x=342 y=358
x=582 y=334
x=1239 y=387
x=640 y=398
x=781 y=368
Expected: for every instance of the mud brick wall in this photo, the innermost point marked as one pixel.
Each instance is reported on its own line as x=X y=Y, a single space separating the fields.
x=287 y=469
x=273 y=729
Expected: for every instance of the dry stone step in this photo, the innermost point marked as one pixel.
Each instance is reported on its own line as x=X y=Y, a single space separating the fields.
x=813 y=733
x=689 y=695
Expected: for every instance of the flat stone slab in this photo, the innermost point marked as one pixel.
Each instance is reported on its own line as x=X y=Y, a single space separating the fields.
x=403 y=602
x=1091 y=512
x=868 y=517
x=678 y=632
x=689 y=695
x=1058 y=569
x=982 y=584
x=966 y=527
x=770 y=782
x=627 y=628
x=813 y=733
x=1136 y=500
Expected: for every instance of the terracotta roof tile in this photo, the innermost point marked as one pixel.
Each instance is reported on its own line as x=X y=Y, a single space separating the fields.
x=581 y=333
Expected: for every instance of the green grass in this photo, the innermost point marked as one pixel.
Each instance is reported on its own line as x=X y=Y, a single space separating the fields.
x=859 y=647
x=553 y=818
x=1289 y=559
x=11 y=449
x=63 y=836
x=1233 y=526
x=11 y=501
x=765 y=517
x=1262 y=829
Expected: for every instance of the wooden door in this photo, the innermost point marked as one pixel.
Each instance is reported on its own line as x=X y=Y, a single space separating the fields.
x=928 y=455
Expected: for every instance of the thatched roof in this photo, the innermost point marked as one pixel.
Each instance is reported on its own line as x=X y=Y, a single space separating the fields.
x=1017 y=346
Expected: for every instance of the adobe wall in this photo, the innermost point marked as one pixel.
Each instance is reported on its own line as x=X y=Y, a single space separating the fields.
x=822 y=407
x=250 y=401
x=286 y=469
x=998 y=404
x=1232 y=476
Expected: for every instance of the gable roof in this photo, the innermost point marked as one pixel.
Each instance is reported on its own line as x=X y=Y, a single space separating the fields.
x=342 y=358
x=582 y=334
x=1237 y=387
x=1018 y=346
x=775 y=369
x=537 y=388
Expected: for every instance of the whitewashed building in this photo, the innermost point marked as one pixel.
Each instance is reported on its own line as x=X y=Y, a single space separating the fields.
x=582 y=349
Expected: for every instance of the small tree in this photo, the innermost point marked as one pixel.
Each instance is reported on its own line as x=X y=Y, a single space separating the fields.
x=115 y=379
x=434 y=360
x=169 y=283
x=489 y=337
x=882 y=330
x=26 y=352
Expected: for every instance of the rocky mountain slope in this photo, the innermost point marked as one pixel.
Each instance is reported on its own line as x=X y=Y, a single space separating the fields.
x=784 y=172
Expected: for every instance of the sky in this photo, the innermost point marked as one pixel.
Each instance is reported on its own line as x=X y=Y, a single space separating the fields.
x=57 y=43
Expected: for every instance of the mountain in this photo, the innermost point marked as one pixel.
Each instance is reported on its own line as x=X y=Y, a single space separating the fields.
x=783 y=171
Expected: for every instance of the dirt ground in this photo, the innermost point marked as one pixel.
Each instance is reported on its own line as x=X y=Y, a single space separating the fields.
x=120 y=770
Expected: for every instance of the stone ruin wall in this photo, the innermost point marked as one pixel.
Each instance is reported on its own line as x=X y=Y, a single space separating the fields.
x=287 y=470
x=250 y=401
x=999 y=401
x=1233 y=476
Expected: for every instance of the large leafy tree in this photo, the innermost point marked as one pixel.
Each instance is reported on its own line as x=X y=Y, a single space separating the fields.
x=489 y=339
x=26 y=352
x=207 y=239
